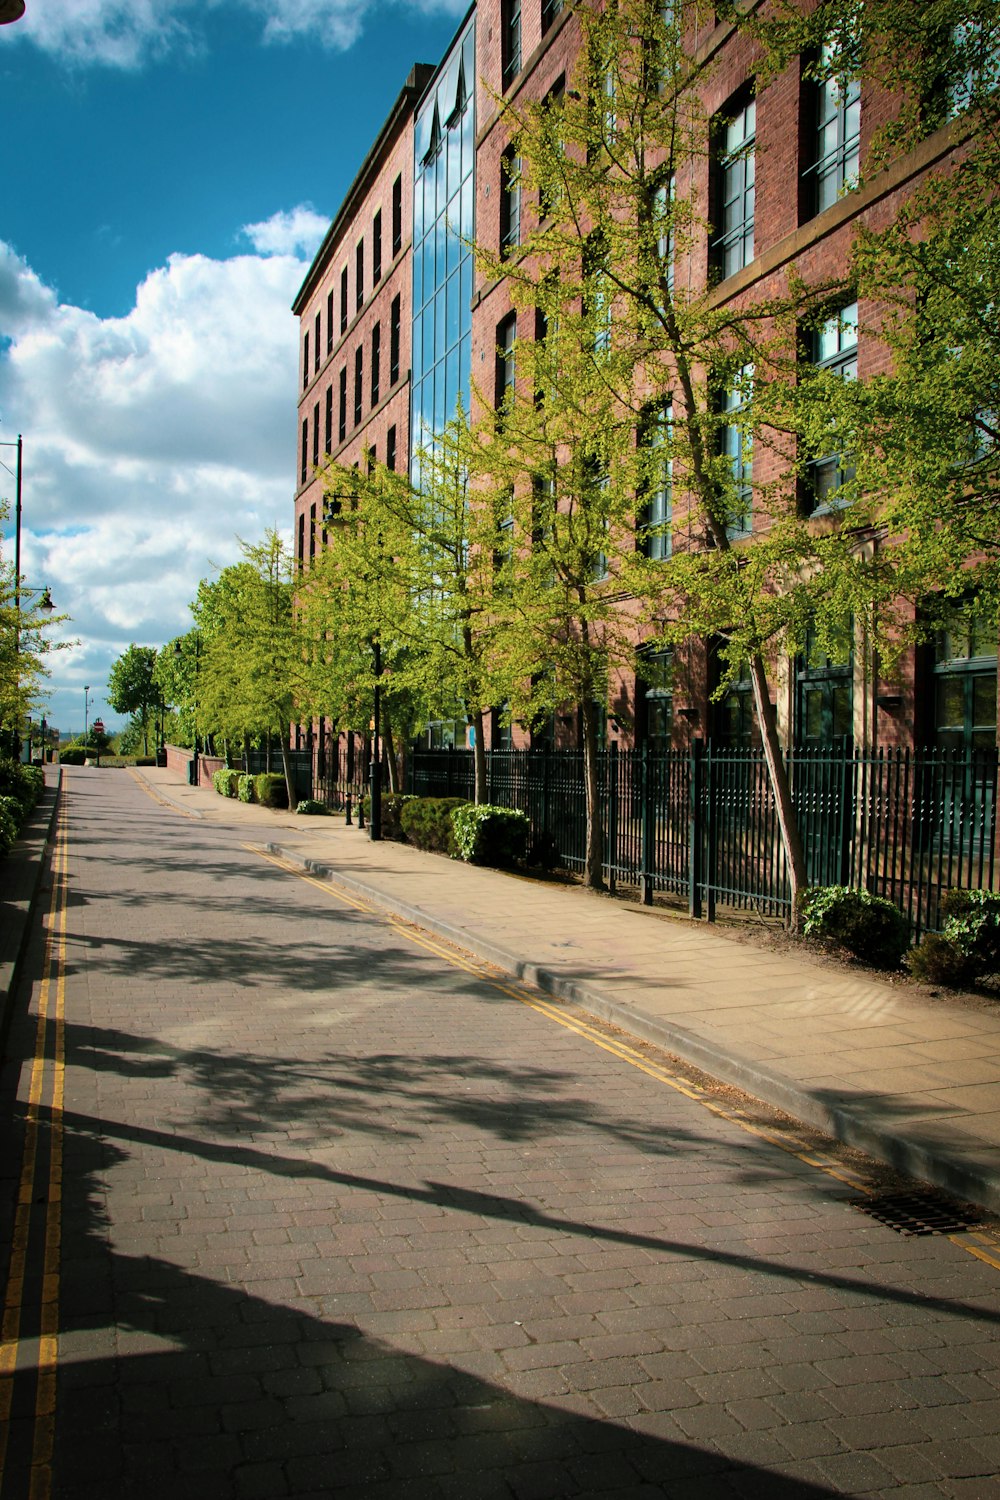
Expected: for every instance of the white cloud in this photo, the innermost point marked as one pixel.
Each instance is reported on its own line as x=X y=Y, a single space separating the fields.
x=151 y=441
x=299 y=232
x=129 y=34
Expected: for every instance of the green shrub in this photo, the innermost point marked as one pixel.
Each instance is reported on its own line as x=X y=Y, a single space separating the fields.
x=24 y=783
x=245 y=786
x=937 y=960
x=309 y=807
x=972 y=923
x=486 y=835
x=10 y=823
x=73 y=755
x=226 y=781
x=269 y=790
x=392 y=814
x=870 y=927
x=139 y=760
x=968 y=946
x=426 y=822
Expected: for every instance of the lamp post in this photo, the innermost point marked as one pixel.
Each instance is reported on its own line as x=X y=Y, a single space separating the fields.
x=86 y=718
x=375 y=769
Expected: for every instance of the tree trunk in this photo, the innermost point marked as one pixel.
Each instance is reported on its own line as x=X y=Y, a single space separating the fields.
x=788 y=823
x=390 y=753
x=479 y=756
x=593 y=872
x=286 y=766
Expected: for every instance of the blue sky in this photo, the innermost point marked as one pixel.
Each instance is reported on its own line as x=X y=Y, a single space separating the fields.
x=169 y=167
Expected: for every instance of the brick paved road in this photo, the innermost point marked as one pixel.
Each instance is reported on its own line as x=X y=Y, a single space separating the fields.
x=341 y=1219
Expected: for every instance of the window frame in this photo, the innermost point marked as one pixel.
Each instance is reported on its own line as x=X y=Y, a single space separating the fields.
x=734 y=173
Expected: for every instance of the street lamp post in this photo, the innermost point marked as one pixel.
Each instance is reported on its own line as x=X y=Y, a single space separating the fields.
x=86 y=718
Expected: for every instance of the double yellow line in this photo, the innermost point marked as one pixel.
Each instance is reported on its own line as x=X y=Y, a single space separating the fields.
x=984 y=1247
x=45 y=1100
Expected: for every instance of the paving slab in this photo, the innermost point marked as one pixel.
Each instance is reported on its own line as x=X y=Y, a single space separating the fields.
x=913 y=1080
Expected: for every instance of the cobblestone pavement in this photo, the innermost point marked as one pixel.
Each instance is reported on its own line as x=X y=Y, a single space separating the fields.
x=341 y=1217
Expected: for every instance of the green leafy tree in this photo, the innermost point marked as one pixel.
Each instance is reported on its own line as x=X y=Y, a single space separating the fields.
x=25 y=646
x=133 y=688
x=410 y=567
x=249 y=656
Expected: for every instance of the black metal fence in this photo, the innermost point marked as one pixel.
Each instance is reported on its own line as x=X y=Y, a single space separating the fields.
x=702 y=825
x=254 y=762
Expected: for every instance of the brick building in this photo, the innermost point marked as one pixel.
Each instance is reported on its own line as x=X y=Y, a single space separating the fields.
x=776 y=187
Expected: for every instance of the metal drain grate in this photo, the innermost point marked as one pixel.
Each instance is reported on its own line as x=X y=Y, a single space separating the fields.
x=919 y=1213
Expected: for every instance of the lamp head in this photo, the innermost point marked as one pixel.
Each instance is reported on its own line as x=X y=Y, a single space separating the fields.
x=11 y=10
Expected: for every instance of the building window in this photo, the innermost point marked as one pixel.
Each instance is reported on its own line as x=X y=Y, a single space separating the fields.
x=359 y=275
x=655 y=700
x=359 y=373
x=732 y=713
x=505 y=374
x=836 y=109
x=835 y=350
x=737 y=446
x=302 y=541
x=312 y=532
x=305 y=361
x=550 y=188
x=510 y=201
x=316 y=340
x=329 y=419
x=734 y=172
x=664 y=197
x=304 y=473
x=656 y=480
x=550 y=10
x=510 y=39
x=394 y=325
x=965 y=685
x=316 y=436
x=596 y=484
x=329 y=322
x=377 y=247
x=824 y=694
x=597 y=294
x=397 y=217
x=390 y=449
x=376 y=371
x=342 y=406
x=343 y=300
x=503 y=550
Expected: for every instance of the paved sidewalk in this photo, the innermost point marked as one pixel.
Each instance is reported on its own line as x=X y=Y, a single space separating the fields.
x=912 y=1080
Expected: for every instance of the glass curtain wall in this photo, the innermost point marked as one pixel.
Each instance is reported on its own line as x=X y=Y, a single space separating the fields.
x=443 y=216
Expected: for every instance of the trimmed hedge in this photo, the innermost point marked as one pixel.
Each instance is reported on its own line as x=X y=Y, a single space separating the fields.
x=487 y=835
x=11 y=816
x=269 y=790
x=968 y=946
x=870 y=927
x=244 y=786
x=310 y=808
x=426 y=822
x=225 y=781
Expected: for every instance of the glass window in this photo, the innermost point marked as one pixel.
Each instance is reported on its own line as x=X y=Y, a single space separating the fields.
x=510 y=201
x=835 y=350
x=655 y=699
x=825 y=695
x=732 y=248
x=965 y=686
x=837 y=141
x=737 y=446
x=655 y=536
x=550 y=9
x=510 y=39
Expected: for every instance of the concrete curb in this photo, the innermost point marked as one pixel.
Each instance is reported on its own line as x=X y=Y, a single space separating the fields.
x=927 y=1159
x=25 y=866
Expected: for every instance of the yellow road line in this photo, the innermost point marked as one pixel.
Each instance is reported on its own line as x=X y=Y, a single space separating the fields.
x=13 y=1310
x=819 y=1161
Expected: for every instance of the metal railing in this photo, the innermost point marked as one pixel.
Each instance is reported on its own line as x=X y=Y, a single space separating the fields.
x=702 y=825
